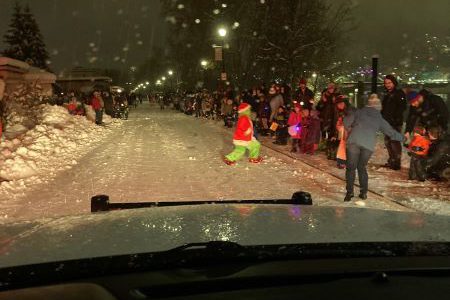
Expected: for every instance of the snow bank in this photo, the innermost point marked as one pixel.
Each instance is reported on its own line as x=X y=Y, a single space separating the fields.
x=55 y=144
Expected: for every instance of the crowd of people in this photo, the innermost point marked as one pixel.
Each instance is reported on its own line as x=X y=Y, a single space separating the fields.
x=98 y=103
x=413 y=121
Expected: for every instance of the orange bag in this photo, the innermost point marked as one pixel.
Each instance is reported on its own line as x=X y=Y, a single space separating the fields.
x=341 y=152
x=274 y=126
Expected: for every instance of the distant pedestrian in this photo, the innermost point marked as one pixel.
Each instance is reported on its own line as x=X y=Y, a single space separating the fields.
x=362 y=126
x=97 y=105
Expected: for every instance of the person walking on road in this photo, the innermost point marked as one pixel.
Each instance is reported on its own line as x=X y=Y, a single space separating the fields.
x=393 y=110
x=362 y=126
x=244 y=138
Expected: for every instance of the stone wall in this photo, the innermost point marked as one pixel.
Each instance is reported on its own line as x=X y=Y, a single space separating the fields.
x=15 y=73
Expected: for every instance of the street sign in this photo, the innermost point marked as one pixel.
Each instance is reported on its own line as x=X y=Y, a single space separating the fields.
x=218 y=53
x=223 y=76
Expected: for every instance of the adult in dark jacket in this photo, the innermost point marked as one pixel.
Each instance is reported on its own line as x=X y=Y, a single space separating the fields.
x=437 y=164
x=304 y=96
x=362 y=126
x=327 y=111
x=393 y=109
x=427 y=110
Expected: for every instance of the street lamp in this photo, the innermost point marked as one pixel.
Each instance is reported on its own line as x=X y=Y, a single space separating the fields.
x=170 y=72
x=223 y=33
x=204 y=63
x=163 y=78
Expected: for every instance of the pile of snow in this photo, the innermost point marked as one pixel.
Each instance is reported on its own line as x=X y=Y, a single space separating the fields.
x=55 y=144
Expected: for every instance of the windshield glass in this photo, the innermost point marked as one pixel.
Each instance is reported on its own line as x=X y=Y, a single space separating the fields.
x=170 y=101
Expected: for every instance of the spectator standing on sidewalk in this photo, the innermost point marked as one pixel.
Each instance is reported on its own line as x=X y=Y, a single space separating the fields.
x=327 y=109
x=97 y=105
x=294 y=122
x=393 y=109
x=304 y=96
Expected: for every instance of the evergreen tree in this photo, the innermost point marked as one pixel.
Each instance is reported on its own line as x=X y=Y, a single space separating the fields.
x=25 y=39
x=14 y=37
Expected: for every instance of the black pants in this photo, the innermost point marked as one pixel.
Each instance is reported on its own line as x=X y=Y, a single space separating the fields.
x=357 y=159
x=394 y=149
x=417 y=168
x=296 y=145
x=282 y=135
x=332 y=147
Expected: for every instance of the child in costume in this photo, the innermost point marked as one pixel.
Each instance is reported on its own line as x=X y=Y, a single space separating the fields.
x=419 y=146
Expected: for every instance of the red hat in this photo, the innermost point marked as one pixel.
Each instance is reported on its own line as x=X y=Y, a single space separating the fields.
x=243 y=107
x=302 y=81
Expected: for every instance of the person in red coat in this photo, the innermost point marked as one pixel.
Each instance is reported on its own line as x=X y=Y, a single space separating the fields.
x=97 y=105
x=294 y=122
x=243 y=138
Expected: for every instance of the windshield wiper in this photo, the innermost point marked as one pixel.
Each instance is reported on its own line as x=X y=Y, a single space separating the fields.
x=101 y=203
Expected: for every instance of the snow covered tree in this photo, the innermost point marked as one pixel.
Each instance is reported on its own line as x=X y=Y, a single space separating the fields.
x=24 y=39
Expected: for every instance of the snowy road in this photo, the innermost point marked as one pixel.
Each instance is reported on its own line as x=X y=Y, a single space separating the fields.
x=164 y=155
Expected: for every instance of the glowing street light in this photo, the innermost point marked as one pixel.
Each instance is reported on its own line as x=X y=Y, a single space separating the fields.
x=170 y=72
x=222 y=32
x=163 y=78
x=314 y=75
x=158 y=82
x=204 y=63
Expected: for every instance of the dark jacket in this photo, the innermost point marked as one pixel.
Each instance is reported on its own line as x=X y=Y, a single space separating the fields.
x=438 y=156
x=310 y=133
x=307 y=97
x=393 y=107
x=432 y=112
x=326 y=110
x=363 y=124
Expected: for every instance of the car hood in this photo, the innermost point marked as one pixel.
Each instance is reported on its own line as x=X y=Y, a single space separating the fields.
x=163 y=228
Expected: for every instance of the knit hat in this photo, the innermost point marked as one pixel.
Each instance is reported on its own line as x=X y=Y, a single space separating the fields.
x=392 y=78
x=302 y=81
x=374 y=101
x=243 y=107
x=413 y=97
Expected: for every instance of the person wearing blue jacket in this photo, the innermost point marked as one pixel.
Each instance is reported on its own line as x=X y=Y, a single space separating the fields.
x=362 y=126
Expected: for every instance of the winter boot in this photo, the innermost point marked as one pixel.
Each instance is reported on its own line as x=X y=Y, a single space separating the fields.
x=348 y=197
x=363 y=196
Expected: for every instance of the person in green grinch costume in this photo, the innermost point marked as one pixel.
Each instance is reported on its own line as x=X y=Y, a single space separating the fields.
x=244 y=139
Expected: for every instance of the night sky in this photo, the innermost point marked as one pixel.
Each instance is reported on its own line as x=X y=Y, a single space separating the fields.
x=122 y=33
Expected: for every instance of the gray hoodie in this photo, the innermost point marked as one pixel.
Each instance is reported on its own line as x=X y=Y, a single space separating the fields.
x=363 y=125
